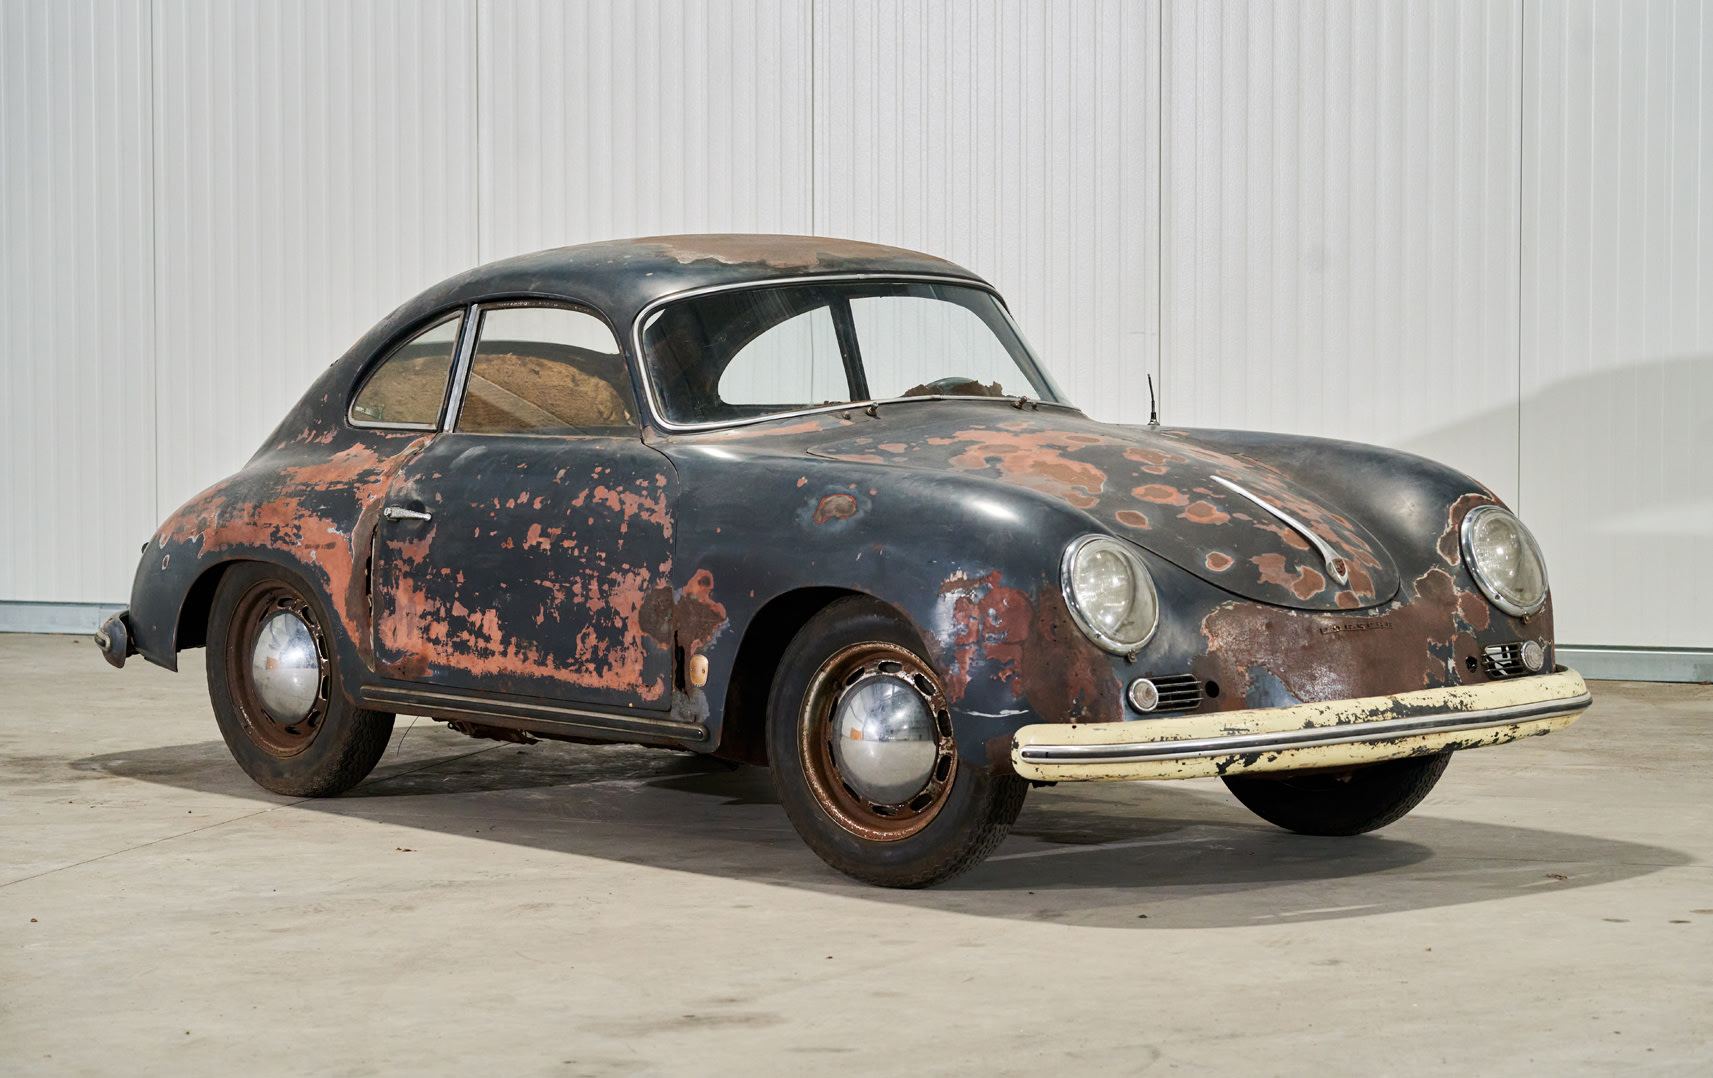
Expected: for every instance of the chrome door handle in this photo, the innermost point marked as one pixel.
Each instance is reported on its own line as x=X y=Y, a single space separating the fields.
x=399 y=512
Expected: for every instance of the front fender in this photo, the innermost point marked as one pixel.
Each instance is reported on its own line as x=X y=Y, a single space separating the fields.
x=971 y=562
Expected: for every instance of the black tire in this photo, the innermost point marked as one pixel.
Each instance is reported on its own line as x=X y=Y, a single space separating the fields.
x=948 y=828
x=329 y=750
x=1340 y=803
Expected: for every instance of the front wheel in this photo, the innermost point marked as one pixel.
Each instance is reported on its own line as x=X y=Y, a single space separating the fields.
x=273 y=678
x=1340 y=803
x=864 y=757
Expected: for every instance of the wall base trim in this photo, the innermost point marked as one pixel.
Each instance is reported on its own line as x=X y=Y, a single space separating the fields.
x=22 y=617
x=1595 y=662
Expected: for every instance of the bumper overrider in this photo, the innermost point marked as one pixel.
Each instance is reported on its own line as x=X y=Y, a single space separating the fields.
x=1333 y=734
x=115 y=640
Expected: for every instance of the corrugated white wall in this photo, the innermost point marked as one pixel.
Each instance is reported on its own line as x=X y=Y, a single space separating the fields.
x=1476 y=229
x=313 y=170
x=77 y=358
x=647 y=118
x=1341 y=240
x=1018 y=139
x=1617 y=316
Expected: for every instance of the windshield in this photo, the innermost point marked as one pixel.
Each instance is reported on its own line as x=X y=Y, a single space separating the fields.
x=752 y=352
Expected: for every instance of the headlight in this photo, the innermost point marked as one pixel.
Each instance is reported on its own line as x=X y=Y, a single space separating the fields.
x=1504 y=560
x=1110 y=593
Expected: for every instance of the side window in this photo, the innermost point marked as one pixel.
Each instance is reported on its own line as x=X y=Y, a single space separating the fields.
x=408 y=387
x=796 y=361
x=546 y=369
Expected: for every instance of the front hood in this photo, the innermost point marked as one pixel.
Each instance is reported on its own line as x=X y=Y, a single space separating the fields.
x=1154 y=487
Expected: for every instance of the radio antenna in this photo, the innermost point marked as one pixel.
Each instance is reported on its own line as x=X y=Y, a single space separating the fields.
x=1153 y=405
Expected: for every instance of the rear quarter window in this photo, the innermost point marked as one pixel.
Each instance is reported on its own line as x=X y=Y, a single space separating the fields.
x=408 y=388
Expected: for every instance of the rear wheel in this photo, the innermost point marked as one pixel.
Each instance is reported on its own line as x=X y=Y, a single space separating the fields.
x=864 y=757
x=1341 y=803
x=273 y=679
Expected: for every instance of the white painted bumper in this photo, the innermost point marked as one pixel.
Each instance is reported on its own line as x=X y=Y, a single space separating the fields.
x=1337 y=733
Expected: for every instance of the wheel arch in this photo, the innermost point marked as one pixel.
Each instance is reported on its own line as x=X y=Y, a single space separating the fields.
x=191 y=628
x=743 y=725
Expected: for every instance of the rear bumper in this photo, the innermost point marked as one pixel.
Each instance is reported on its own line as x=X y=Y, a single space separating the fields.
x=115 y=640
x=1338 y=733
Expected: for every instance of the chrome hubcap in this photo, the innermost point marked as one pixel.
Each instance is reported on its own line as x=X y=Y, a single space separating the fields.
x=285 y=667
x=884 y=742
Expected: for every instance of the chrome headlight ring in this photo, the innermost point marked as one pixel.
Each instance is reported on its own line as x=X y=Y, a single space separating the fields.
x=1499 y=592
x=1141 y=616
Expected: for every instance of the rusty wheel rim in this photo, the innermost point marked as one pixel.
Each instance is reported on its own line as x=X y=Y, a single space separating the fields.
x=254 y=610
x=839 y=798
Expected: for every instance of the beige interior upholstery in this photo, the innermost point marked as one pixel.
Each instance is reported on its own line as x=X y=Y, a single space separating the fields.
x=509 y=392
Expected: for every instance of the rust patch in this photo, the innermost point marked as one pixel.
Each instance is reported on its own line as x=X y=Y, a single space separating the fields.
x=698 y=617
x=1415 y=644
x=835 y=507
x=1042 y=657
x=1219 y=563
x=1451 y=540
x=1474 y=609
x=1130 y=518
x=989 y=621
x=654 y=616
x=1066 y=677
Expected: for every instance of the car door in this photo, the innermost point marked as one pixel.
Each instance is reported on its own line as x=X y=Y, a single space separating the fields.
x=519 y=550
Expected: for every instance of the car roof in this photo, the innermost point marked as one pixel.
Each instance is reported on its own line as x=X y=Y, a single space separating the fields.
x=621 y=277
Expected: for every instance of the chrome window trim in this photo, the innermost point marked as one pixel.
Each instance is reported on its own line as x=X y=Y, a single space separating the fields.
x=647 y=377
x=1084 y=622
x=461 y=367
x=1493 y=594
x=360 y=424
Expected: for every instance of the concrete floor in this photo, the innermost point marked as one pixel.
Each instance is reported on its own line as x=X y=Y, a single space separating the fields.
x=558 y=909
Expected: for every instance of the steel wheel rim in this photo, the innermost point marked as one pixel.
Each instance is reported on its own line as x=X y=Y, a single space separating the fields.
x=255 y=609
x=837 y=797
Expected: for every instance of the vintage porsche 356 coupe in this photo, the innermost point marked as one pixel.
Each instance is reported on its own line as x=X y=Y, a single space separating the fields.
x=815 y=504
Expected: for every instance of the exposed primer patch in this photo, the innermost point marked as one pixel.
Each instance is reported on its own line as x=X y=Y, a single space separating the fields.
x=776 y=252
x=1036 y=460
x=429 y=626
x=1204 y=512
x=321 y=513
x=1306 y=584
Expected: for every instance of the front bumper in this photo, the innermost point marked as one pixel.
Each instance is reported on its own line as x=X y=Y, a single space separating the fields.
x=1338 y=733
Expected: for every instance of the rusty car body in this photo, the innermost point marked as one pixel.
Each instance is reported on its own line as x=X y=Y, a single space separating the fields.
x=912 y=604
